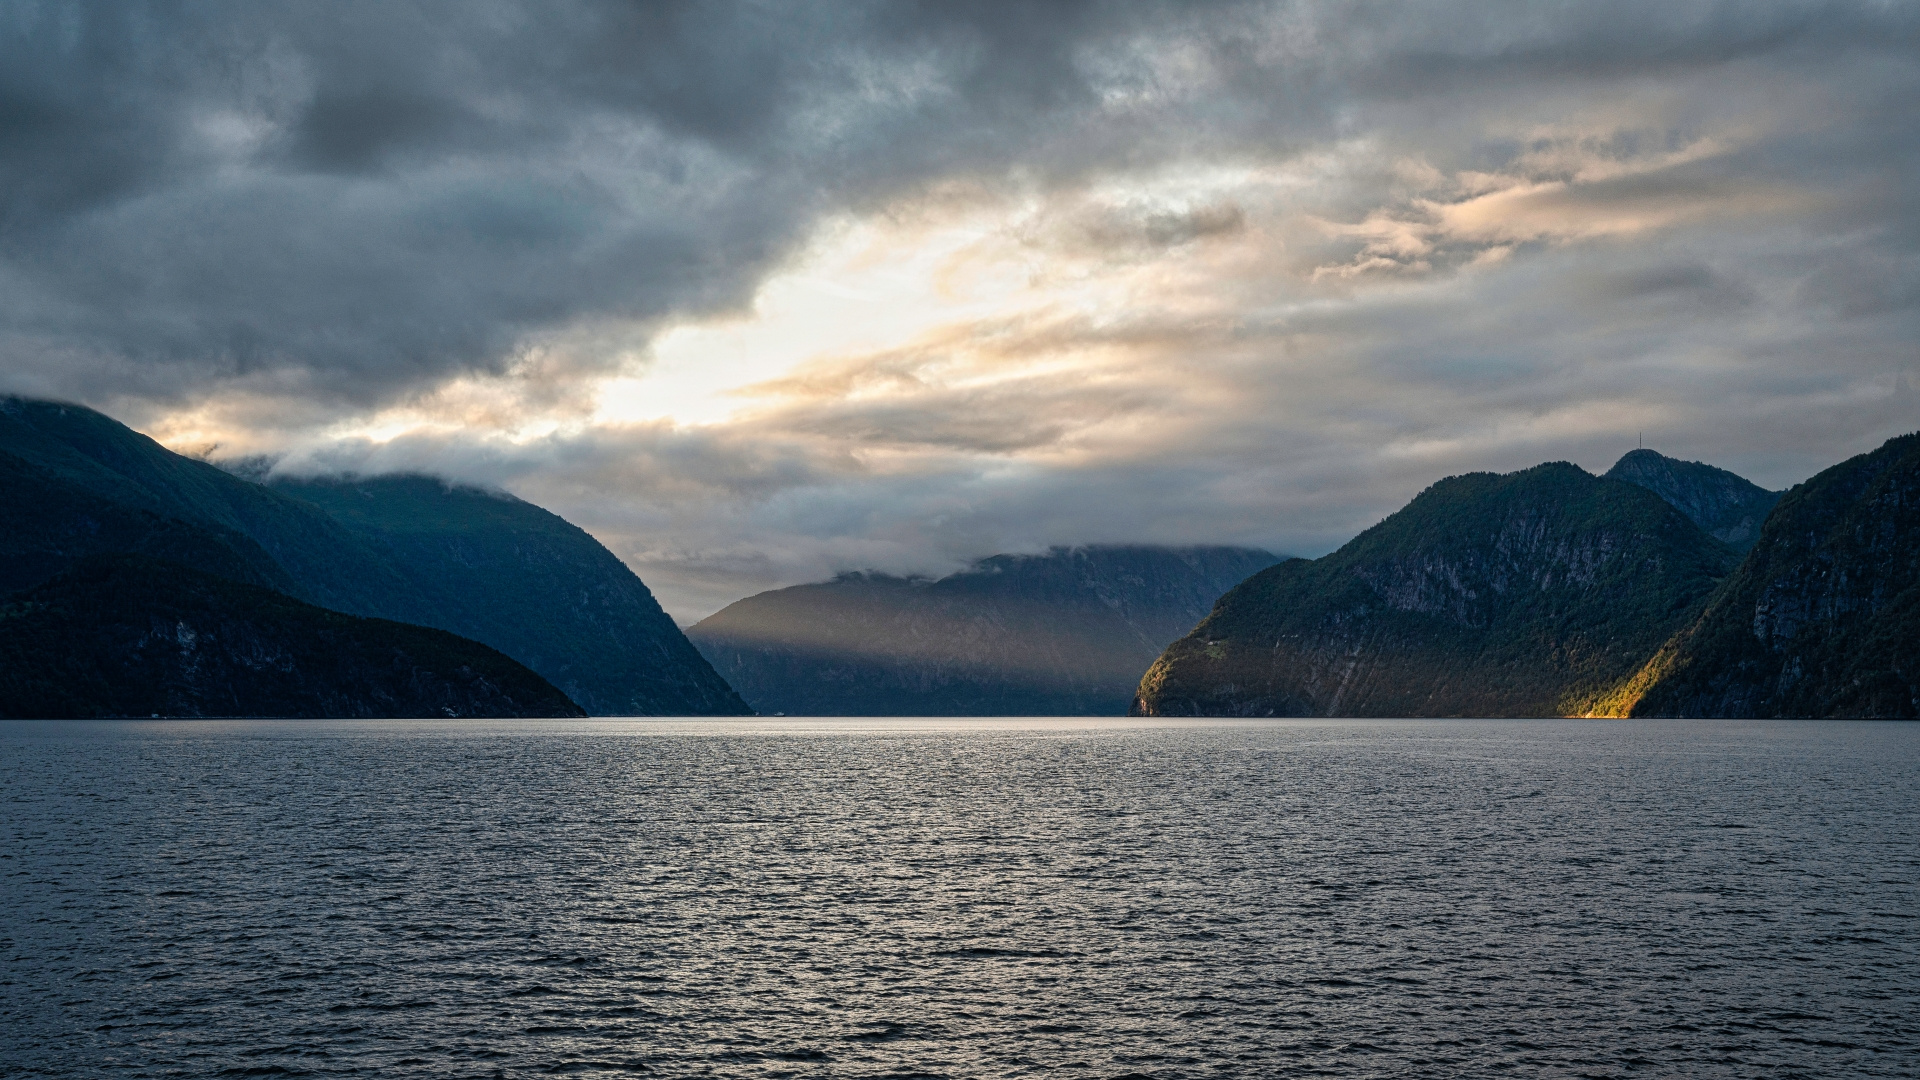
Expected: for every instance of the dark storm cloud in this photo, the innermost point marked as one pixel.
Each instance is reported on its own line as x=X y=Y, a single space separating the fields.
x=349 y=201
x=1505 y=232
x=364 y=198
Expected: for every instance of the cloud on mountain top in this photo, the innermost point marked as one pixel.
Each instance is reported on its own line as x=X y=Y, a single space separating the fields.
x=965 y=277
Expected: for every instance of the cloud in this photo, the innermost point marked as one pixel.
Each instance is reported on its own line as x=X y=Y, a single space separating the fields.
x=759 y=293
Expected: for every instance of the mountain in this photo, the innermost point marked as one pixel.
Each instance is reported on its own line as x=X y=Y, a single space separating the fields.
x=527 y=582
x=1728 y=506
x=1821 y=619
x=1527 y=594
x=51 y=524
x=318 y=560
x=129 y=635
x=78 y=483
x=1065 y=633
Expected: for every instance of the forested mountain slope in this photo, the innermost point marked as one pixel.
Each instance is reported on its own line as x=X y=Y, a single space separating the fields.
x=134 y=636
x=1064 y=633
x=91 y=454
x=1822 y=618
x=527 y=582
x=1527 y=594
x=1728 y=506
x=493 y=568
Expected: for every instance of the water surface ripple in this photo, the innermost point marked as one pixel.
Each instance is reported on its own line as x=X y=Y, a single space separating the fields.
x=767 y=899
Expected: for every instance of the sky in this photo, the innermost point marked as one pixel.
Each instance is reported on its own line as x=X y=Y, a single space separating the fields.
x=761 y=292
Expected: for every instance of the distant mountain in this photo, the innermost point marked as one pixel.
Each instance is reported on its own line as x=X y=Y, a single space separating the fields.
x=135 y=636
x=1823 y=616
x=505 y=572
x=1527 y=594
x=77 y=483
x=1729 y=507
x=1064 y=633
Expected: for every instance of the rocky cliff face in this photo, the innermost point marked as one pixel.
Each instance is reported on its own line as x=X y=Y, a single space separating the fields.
x=1065 y=633
x=1529 y=594
x=132 y=636
x=1822 y=618
x=1729 y=507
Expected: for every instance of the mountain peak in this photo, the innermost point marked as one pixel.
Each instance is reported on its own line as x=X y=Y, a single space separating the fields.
x=1064 y=632
x=416 y=549
x=1488 y=595
x=1728 y=506
x=1820 y=619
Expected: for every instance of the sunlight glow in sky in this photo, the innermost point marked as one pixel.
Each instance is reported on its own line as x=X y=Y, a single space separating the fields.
x=972 y=280
x=939 y=274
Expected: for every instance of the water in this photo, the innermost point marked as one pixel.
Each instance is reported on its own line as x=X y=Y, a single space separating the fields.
x=955 y=899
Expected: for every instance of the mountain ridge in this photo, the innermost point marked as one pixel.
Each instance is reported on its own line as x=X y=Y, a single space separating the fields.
x=1519 y=594
x=524 y=580
x=1728 y=506
x=1822 y=618
x=1066 y=632
x=82 y=484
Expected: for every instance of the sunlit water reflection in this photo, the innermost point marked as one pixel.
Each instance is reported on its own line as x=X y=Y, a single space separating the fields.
x=961 y=899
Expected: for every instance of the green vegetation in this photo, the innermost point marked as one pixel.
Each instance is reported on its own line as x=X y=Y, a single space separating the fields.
x=1061 y=634
x=527 y=582
x=138 y=581
x=52 y=524
x=128 y=635
x=1729 y=507
x=1530 y=594
x=412 y=550
x=319 y=561
x=1821 y=619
